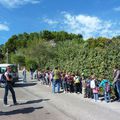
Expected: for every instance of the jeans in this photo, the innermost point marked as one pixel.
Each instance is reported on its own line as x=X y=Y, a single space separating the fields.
x=56 y=83
x=95 y=96
x=107 y=96
x=65 y=86
x=8 y=87
x=118 y=87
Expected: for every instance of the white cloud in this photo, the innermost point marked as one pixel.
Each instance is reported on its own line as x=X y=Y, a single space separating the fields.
x=88 y=26
x=117 y=9
x=16 y=3
x=50 y=21
x=4 y=27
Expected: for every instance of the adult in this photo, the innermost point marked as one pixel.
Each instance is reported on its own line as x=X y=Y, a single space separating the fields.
x=31 y=72
x=24 y=74
x=35 y=74
x=78 y=83
x=56 y=80
x=116 y=82
x=8 y=86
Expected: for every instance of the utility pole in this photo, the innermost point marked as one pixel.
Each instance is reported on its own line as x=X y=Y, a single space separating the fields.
x=7 y=57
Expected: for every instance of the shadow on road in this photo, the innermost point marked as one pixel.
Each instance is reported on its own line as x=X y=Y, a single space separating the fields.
x=24 y=84
x=34 y=101
x=21 y=111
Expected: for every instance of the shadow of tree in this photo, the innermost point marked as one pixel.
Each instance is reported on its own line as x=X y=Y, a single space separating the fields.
x=21 y=111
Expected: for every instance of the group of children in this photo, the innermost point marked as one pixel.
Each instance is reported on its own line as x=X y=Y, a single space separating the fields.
x=76 y=83
x=94 y=87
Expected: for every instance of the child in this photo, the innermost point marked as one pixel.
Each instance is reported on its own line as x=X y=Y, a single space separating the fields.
x=95 y=93
x=95 y=88
x=106 y=85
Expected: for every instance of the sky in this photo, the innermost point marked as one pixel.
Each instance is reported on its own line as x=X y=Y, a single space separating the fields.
x=91 y=18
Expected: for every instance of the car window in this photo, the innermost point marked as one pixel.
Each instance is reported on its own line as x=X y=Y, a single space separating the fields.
x=2 y=70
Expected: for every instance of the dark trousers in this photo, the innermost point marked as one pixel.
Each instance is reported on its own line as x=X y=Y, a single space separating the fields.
x=81 y=87
x=118 y=88
x=8 y=87
x=71 y=87
x=116 y=92
x=77 y=87
x=88 y=92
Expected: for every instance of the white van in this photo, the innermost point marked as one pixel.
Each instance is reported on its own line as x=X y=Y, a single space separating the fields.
x=14 y=72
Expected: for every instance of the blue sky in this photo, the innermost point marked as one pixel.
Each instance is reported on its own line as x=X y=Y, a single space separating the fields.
x=91 y=18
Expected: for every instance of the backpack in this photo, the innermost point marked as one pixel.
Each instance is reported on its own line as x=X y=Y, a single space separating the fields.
x=3 y=78
x=107 y=87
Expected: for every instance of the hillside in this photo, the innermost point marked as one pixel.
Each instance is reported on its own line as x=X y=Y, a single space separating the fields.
x=69 y=51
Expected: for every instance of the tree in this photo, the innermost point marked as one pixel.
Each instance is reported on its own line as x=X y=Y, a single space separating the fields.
x=47 y=35
x=17 y=59
x=11 y=44
x=1 y=55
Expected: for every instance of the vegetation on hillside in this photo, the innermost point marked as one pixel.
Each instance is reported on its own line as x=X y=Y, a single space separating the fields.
x=69 y=51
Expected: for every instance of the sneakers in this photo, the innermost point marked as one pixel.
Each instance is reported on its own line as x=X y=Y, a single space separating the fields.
x=16 y=103
x=7 y=105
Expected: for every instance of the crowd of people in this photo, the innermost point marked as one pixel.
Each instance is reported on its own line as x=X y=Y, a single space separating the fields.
x=68 y=82
x=90 y=87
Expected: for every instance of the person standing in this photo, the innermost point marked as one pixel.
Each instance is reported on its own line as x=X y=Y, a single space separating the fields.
x=94 y=87
x=65 y=82
x=56 y=80
x=50 y=77
x=71 y=82
x=116 y=82
x=77 y=83
x=31 y=72
x=24 y=74
x=8 y=86
x=106 y=85
x=88 y=89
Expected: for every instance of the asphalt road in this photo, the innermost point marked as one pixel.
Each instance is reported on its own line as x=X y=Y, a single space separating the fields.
x=38 y=103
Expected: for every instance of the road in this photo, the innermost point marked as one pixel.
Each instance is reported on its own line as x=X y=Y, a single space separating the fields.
x=38 y=103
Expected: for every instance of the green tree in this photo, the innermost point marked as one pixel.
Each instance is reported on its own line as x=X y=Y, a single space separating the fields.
x=17 y=59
